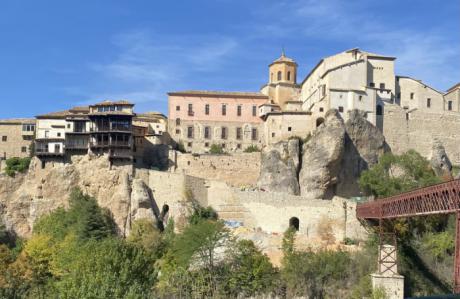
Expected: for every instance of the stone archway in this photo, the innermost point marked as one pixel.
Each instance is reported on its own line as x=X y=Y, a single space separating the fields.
x=319 y=121
x=294 y=223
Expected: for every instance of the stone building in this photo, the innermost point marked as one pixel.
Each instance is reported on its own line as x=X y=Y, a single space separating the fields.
x=199 y=119
x=105 y=127
x=17 y=136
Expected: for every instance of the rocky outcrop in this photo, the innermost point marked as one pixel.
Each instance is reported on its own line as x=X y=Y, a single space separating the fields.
x=142 y=205
x=439 y=161
x=279 y=167
x=364 y=144
x=28 y=196
x=322 y=156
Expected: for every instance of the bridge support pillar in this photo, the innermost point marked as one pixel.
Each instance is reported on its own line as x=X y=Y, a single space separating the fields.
x=457 y=255
x=387 y=277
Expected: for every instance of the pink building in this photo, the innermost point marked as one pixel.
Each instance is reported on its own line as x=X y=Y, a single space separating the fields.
x=199 y=119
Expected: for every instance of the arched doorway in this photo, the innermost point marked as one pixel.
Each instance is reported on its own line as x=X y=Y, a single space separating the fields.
x=294 y=223
x=319 y=121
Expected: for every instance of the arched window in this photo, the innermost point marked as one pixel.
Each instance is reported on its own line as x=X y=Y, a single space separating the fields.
x=294 y=223
x=379 y=110
x=288 y=76
x=319 y=121
x=279 y=75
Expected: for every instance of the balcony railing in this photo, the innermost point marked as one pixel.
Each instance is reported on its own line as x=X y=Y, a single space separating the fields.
x=112 y=128
x=72 y=145
x=110 y=143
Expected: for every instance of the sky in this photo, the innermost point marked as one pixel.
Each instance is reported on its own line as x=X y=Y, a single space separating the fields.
x=56 y=54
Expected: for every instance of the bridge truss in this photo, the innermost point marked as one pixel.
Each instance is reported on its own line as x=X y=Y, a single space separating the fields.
x=442 y=198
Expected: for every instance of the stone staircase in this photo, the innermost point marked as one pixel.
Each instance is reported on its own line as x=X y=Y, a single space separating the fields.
x=233 y=210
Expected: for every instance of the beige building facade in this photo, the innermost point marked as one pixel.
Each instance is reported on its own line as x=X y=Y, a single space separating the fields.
x=16 y=138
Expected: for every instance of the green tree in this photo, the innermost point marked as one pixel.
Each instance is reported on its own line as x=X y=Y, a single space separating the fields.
x=15 y=165
x=216 y=149
x=249 y=272
x=145 y=234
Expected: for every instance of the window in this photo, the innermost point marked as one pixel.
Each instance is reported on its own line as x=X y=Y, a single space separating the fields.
x=206 y=144
x=177 y=108
x=254 y=110
x=321 y=109
x=207 y=132
x=100 y=109
x=190 y=109
x=289 y=129
x=190 y=132
x=206 y=109
x=323 y=90
x=59 y=134
x=223 y=134
x=382 y=85
x=177 y=131
x=289 y=76
x=28 y=128
x=379 y=110
x=112 y=108
x=4 y=138
x=411 y=95
x=340 y=108
x=254 y=134
x=238 y=133
x=238 y=110
x=224 y=109
x=47 y=134
x=177 y=121
x=428 y=103
x=119 y=108
x=360 y=98
x=238 y=146
x=449 y=105
x=273 y=134
x=279 y=76
x=27 y=137
x=372 y=84
x=23 y=149
x=189 y=144
x=223 y=145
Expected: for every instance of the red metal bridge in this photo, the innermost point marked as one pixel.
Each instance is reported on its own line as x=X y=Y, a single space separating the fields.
x=443 y=198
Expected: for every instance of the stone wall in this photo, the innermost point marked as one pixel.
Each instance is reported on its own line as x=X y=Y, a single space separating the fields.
x=14 y=142
x=406 y=129
x=236 y=169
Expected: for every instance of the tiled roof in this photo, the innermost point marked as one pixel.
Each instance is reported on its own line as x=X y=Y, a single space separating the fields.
x=14 y=121
x=218 y=93
x=110 y=103
x=57 y=114
x=454 y=87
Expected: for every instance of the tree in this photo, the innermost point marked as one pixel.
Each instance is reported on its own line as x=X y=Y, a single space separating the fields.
x=15 y=165
x=146 y=235
x=394 y=174
x=249 y=272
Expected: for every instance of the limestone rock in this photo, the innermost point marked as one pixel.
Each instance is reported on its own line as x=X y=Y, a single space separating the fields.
x=141 y=202
x=364 y=144
x=279 y=167
x=439 y=161
x=322 y=156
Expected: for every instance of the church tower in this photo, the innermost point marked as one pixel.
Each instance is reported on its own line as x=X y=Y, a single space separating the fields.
x=282 y=87
x=283 y=70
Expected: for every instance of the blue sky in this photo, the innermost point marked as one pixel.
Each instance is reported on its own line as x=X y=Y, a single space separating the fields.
x=55 y=54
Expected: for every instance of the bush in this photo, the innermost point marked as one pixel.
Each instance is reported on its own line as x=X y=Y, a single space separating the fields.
x=15 y=165
x=252 y=149
x=216 y=149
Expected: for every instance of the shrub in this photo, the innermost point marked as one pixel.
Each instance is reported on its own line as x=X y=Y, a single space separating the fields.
x=216 y=149
x=252 y=149
x=15 y=165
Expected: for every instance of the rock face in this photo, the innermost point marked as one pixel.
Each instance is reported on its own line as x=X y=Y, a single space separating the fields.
x=364 y=144
x=440 y=162
x=142 y=204
x=322 y=156
x=28 y=196
x=279 y=167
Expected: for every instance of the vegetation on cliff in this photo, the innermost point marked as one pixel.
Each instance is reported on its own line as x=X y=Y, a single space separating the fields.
x=425 y=244
x=15 y=165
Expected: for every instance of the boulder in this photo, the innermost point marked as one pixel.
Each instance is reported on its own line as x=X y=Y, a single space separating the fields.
x=439 y=161
x=364 y=144
x=322 y=156
x=279 y=167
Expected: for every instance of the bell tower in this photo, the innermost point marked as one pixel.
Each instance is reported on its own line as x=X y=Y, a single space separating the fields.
x=282 y=87
x=283 y=70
